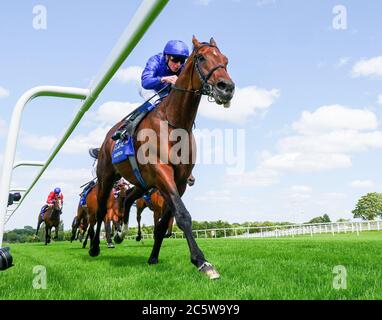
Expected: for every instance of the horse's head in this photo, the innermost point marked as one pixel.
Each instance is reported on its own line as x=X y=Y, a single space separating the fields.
x=211 y=69
x=57 y=205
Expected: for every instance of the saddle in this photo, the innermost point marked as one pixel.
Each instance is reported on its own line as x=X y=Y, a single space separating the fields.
x=88 y=187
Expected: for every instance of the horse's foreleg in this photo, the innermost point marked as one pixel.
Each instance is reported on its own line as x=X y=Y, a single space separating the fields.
x=108 y=234
x=56 y=229
x=75 y=226
x=39 y=221
x=139 y=217
x=172 y=195
x=86 y=237
x=46 y=234
x=169 y=228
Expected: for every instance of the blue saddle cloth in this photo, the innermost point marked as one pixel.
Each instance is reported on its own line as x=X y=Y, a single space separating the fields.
x=122 y=150
x=85 y=193
x=43 y=209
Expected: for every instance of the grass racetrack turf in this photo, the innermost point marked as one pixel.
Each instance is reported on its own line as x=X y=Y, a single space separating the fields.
x=273 y=268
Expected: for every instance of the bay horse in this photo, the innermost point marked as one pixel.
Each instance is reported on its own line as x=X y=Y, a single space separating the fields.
x=51 y=219
x=87 y=215
x=204 y=73
x=157 y=205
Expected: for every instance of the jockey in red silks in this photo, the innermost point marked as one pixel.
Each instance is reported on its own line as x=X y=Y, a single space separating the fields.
x=55 y=195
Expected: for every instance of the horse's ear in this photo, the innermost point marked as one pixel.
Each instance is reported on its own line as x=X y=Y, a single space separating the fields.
x=195 y=42
x=212 y=42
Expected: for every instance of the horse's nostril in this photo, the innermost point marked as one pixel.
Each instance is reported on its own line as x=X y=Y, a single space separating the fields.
x=226 y=86
x=222 y=85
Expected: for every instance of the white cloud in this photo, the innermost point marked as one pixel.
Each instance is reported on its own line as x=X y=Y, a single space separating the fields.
x=261 y=177
x=129 y=74
x=305 y=162
x=215 y=196
x=380 y=99
x=325 y=140
x=114 y=111
x=302 y=189
x=339 y=141
x=81 y=143
x=362 y=184
x=368 y=67
x=37 y=142
x=335 y=117
x=246 y=103
x=3 y=92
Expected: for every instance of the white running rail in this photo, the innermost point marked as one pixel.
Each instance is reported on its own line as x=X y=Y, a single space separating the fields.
x=141 y=21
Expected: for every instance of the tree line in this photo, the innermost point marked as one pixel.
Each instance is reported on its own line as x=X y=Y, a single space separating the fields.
x=368 y=207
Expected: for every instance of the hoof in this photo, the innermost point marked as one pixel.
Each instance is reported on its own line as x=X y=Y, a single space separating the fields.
x=209 y=270
x=153 y=260
x=110 y=246
x=138 y=238
x=94 y=251
x=117 y=239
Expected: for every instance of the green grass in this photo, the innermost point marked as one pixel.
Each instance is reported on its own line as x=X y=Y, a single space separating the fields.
x=283 y=268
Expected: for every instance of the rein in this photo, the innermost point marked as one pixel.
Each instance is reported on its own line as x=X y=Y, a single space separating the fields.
x=206 y=88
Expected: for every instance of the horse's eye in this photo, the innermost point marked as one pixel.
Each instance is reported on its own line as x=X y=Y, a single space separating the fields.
x=201 y=58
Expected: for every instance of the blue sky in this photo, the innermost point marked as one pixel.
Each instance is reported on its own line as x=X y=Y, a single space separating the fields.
x=308 y=100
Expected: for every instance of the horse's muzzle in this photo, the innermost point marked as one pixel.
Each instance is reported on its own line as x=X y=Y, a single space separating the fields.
x=223 y=92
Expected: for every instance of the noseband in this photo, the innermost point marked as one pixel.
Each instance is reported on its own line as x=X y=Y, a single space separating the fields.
x=207 y=88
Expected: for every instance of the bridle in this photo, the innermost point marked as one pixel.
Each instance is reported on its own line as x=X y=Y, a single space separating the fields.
x=207 y=88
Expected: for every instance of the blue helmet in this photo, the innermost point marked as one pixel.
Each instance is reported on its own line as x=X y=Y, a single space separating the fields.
x=57 y=190
x=176 y=48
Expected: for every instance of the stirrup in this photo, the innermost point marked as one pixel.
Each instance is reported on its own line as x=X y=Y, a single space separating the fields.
x=119 y=134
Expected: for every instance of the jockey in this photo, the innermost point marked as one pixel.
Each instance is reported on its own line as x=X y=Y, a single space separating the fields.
x=163 y=68
x=55 y=195
x=161 y=71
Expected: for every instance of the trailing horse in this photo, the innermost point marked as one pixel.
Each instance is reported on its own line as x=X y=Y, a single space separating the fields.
x=205 y=73
x=156 y=203
x=51 y=219
x=87 y=215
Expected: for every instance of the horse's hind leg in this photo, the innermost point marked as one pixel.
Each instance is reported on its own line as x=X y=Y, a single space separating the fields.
x=131 y=195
